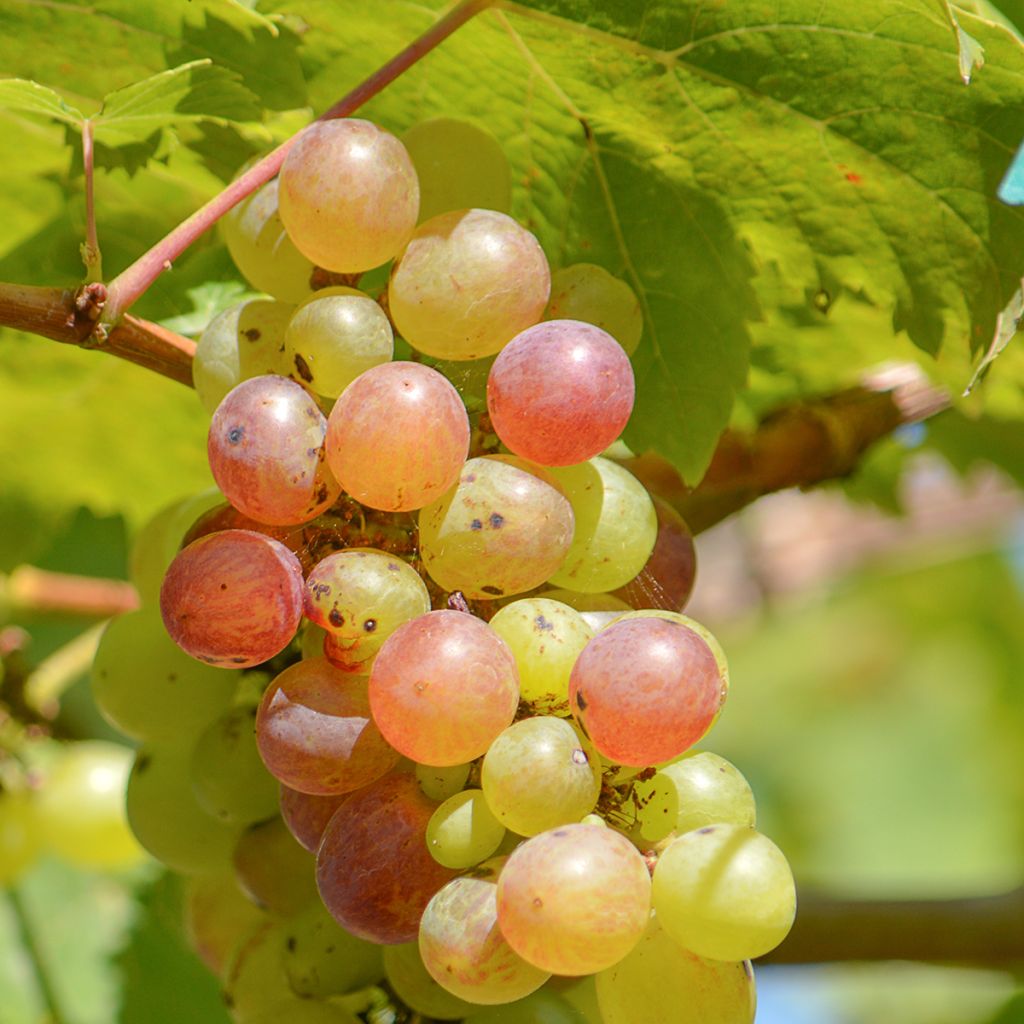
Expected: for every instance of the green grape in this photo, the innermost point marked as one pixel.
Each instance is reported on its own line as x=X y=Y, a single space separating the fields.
x=273 y=870
x=80 y=809
x=450 y=294
x=707 y=790
x=462 y=947
x=463 y=831
x=440 y=783
x=322 y=959
x=216 y=916
x=167 y=819
x=657 y=806
x=587 y=292
x=20 y=840
x=261 y=248
x=244 y=341
x=334 y=336
x=227 y=772
x=616 y=526
x=581 y=994
x=254 y=977
x=539 y=774
x=149 y=688
x=458 y=165
x=724 y=892
x=540 y=1007
x=545 y=637
x=658 y=981
x=416 y=988
x=500 y=530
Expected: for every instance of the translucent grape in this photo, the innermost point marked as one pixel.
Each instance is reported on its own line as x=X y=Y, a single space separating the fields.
x=501 y=530
x=227 y=774
x=616 y=526
x=315 y=732
x=254 y=977
x=362 y=596
x=376 y=838
x=442 y=688
x=261 y=248
x=540 y=1007
x=724 y=892
x=348 y=195
x=166 y=817
x=334 y=336
x=440 y=783
x=272 y=869
x=233 y=598
x=585 y=291
x=307 y=814
x=463 y=831
x=398 y=436
x=322 y=959
x=707 y=790
x=416 y=988
x=467 y=283
x=20 y=840
x=244 y=341
x=667 y=579
x=539 y=774
x=645 y=690
x=560 y=392
x=216 y=915
x=266 y=451
x=545 y=637
x=458 y=165
x=658 y=981
x=574 y=900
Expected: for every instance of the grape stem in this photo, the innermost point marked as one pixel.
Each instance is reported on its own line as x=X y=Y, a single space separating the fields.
x=134 y=280
x=27 y=935
x=32 y=591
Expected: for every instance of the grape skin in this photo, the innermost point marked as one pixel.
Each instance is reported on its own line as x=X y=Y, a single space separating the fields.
x=415 y=986
x=216 y=915
x=463 y=831
x=588 y=292
x=307 y=814
x=272 y=869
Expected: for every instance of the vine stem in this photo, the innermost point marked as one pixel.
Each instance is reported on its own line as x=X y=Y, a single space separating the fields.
x=132 y=282
x=28 y=590
x=91 y=249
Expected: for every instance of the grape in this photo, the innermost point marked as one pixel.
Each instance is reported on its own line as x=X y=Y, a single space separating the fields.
x=216 y=916
x=334 y=336
x=397 y=436
x=540 y=1007
x=545 y=637
x=261 y=248
x=266 y=451
x=574 y=900
x=233 y=598
x=462 y=946
x=19 y=835
x=254 y=977
x=440 y=783
x=150 y=689
x=416 y=988
x=167 y=819
x=616 y=526
x=580 y=994
x=658 y=981
x=463 y=831
x=348 y=195
x=560 y=392
x=227 y=774
x=707 y=790
x=458 y=165
x=539 y=774
x=644 y=690
x=79 y=811
x=724 y=892
x=322 y=959
x=272 y=869
x=361 y=597
x=500 y=530
x=295 y=1010
x=666 y=581
x=246 y=340
x=442 y=688
x=315 y=732
x=467 y=283
x=585 y=291
x=373 y=869
x=307 y=814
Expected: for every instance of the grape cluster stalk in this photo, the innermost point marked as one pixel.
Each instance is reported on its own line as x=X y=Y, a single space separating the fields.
x=417 y=703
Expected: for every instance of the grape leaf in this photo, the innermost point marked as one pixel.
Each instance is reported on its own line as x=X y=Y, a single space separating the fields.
x=33 y=98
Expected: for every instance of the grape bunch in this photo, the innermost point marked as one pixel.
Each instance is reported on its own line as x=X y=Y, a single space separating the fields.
x=417 y=704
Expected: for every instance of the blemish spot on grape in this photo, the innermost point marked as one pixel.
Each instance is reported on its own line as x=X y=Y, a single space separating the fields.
x=370 y=625
x=496 y=520
x=235 y=435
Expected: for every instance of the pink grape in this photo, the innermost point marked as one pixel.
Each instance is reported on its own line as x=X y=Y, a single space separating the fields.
x=443 y=687
x=266 y=451
x=315 y=733
x=233 y=598
x=645 y=690
x=374 y=870
x=307 y=814
x=398 y=436
x=560 y=392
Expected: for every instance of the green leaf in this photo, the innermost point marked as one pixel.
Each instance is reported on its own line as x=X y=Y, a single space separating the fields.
x=33 y=98
x=1007 y=326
